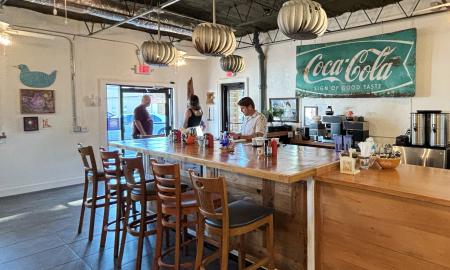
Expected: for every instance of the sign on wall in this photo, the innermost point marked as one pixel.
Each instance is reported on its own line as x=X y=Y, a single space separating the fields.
x=377 y=66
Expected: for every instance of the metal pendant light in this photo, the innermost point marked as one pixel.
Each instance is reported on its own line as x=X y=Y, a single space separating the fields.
x=302 y=19
x=232 y=63
x=214 y=39
x=161 y=53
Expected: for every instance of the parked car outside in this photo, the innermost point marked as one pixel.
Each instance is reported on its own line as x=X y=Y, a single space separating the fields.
x=113 y=121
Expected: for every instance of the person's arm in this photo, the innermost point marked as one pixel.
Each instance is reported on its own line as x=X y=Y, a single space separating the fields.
x=187 y=114
x=139 y=126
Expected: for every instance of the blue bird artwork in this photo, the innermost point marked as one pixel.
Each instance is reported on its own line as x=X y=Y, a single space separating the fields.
x=36 y=79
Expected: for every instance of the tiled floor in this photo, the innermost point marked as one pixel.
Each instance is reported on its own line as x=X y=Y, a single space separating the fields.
x=39 y=231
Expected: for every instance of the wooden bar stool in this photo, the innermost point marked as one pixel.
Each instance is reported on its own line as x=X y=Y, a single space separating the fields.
x=174 y=207
x=115 y=188
x=91 y=174
x=141 y=191
x=234 y=220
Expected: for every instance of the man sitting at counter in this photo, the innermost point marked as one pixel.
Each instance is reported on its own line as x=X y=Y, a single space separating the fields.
x=254 y=124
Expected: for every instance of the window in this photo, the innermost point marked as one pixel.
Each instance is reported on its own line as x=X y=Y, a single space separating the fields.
x=232 y=117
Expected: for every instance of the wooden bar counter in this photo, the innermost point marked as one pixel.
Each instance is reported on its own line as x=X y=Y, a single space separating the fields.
x=275 y=182
x=383 y=219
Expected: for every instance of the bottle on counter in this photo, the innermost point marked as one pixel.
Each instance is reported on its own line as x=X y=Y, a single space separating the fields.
x=274 y=147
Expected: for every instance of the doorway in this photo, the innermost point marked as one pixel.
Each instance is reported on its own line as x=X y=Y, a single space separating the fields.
x=123 y=99
x=232 y=117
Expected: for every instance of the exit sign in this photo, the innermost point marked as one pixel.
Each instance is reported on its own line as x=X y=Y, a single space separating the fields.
x=143 y=69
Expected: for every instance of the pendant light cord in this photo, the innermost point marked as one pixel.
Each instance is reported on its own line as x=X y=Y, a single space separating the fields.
x=159 y=23
x=214 y=12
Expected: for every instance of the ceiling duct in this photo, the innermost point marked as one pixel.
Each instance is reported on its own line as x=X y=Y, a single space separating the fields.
x=113 y=12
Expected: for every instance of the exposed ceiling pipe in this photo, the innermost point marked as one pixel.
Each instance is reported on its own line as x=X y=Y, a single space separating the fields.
x=262 y=71
x=130 y=20
x=111 y=12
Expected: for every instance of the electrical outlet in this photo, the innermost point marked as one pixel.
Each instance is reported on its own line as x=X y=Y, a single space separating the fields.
x=290 y=134
x=84 y=129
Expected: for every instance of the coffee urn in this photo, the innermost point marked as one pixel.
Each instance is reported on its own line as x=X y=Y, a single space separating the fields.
x=438 y=130
x=418 y=129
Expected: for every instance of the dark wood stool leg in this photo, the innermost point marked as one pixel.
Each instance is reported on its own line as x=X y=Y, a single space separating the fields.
x=269 y=242
x=241 y=255
x=83 y=204
x=177 y=241
x=105 y=216
x=159 y=240
x=142 y=229
x=167 y=230
x=94 y=206
x=184 y=236
x=124 y=232
x=119 y=206
x=200 y=240
x=224 y=249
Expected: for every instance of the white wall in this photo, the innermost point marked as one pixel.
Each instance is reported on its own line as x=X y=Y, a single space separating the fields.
x=48 y=158
x=388 y=117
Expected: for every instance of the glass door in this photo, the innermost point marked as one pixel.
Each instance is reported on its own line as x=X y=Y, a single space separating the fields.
x=123 y=101
x=232 y=117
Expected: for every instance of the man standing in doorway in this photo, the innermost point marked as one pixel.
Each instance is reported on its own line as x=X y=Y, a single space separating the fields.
x=254 y=124
x=143 y=123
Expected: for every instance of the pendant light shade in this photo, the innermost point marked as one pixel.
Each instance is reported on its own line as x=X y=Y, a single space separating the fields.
x=160 y=53
x=214 y=39
x=232 y=63
x=302 y=19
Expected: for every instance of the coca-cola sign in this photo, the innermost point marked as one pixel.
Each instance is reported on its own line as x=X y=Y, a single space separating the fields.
x=377 y=66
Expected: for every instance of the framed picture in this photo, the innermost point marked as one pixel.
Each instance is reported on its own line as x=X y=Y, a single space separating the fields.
x=284 y=109
x=30 y=123
x=308 y=113
x=37 y=101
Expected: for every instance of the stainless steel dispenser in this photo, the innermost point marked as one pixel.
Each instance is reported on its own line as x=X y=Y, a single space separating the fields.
x=418 y=129
x=438 y=130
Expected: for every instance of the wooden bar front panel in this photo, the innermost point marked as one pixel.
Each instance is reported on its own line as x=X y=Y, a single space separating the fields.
x=359 y=229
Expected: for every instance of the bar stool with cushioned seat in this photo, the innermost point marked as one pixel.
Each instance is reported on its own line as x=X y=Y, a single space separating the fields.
x=141 y=191
x=234 y=220
x=91 y=174
x=174 y=207
x=115 y=188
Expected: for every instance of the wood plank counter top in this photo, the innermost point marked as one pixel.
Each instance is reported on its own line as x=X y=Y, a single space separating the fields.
x=294 y=163
x=408 y=181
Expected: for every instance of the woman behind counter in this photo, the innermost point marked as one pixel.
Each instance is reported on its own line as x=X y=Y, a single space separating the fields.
x=194 y=113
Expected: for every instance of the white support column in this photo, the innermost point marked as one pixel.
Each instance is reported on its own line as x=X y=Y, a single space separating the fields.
x=310 y=214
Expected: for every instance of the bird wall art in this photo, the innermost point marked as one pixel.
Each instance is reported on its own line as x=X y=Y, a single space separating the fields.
x=36 y=79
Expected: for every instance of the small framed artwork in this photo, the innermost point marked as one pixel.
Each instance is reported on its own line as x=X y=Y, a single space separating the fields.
x=30 y=123
x=308 y=113
x=284 y=109
x=37 y=101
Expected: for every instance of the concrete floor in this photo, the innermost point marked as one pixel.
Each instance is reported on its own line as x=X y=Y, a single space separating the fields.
x=39 y=231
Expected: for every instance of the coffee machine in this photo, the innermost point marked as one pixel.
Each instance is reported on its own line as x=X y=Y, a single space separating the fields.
x=358 y=128
x=316 y=130
x=333 y=126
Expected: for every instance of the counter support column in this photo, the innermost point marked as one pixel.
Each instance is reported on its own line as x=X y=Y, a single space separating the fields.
x=310 y=227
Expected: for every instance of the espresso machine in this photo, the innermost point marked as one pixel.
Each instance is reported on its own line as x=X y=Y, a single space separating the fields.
x=333 y=126
x=358 y=128
x=316 y=130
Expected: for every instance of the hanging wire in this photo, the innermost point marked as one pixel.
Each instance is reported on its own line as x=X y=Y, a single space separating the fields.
x=65 y=11
x=159 y=28
x=55 y=11
x=214 y=12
